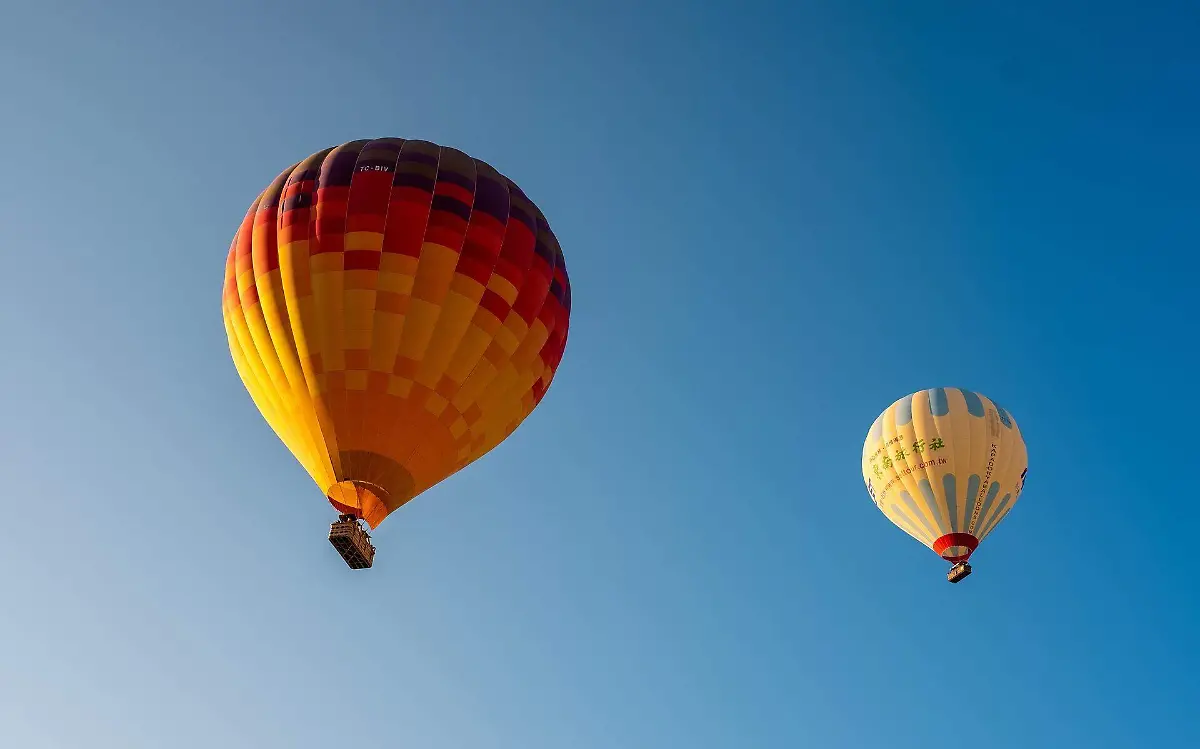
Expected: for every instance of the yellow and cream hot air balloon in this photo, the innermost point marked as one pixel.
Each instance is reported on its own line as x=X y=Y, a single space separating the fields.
x=945 y=465
x=396 y=309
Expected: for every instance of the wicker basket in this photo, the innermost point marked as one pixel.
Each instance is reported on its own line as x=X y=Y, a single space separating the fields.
x=958 y=572
x=352 y=542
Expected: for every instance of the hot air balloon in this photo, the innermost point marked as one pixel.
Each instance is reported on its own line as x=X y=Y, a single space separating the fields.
x=945 y=465
x=395 y=309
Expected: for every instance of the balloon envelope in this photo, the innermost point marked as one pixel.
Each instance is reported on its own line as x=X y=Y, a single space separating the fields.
x=945 y=465
x=395 y=309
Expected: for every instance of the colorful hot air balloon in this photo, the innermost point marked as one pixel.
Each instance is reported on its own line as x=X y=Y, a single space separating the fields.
x=945 y=465
x=395 y=309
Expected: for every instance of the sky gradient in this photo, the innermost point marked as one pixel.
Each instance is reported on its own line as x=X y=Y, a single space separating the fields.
x=778 y=218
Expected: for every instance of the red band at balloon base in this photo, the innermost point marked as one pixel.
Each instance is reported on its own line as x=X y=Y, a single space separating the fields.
x=952 y=540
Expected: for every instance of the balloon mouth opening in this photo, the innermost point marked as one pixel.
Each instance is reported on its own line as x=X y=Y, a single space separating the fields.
x=361 y=499
x=956 y=547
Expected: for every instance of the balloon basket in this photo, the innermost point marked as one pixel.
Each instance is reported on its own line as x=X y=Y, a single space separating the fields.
x=352 y=542
x=958 y=572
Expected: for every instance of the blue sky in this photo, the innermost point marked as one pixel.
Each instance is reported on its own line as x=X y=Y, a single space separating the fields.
x=778 y=219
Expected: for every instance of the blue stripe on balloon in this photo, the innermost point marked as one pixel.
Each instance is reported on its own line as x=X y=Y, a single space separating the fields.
x=916 y=512
x=1005 y=419
x=904 y=411
x=1003 y=512
x=974 y=403
x=999 y=513
x=949 y=483
x=931 y=500
x=907 y=524
x=993 y=490
x=939 y=404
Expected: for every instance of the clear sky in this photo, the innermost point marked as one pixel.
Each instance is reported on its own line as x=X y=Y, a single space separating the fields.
x=778 y=219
